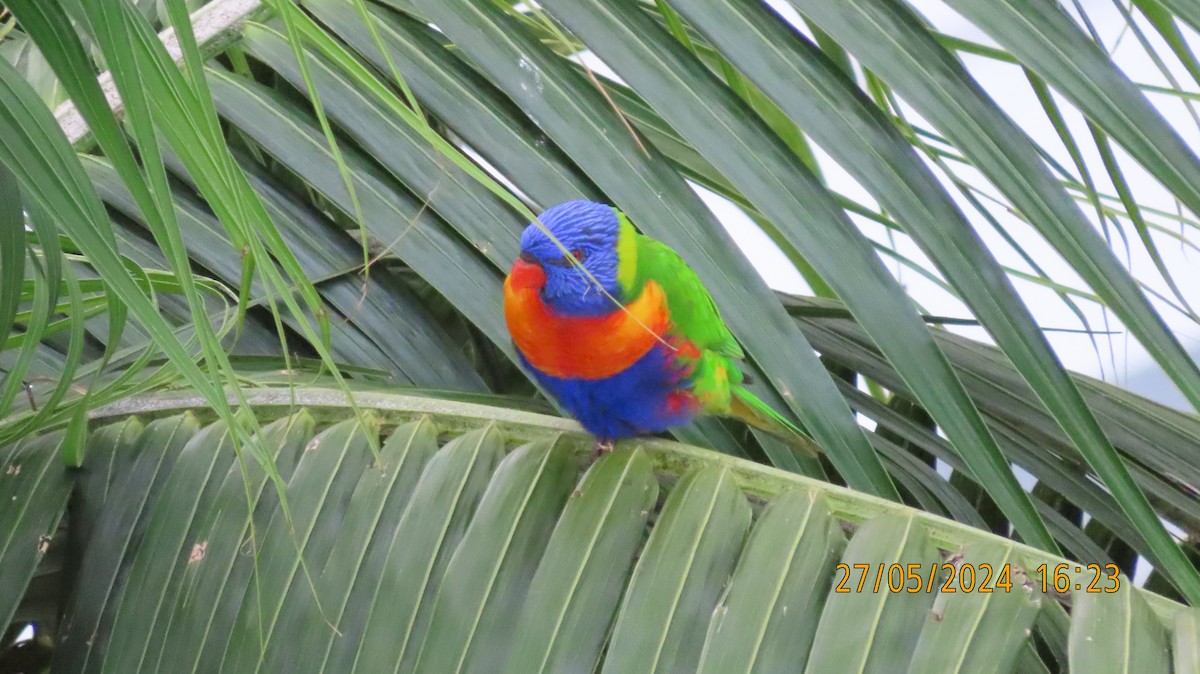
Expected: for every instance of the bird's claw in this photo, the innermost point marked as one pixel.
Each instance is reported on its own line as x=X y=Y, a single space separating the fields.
x=602 y=447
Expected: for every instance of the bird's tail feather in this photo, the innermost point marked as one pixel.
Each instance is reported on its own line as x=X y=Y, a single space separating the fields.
x=747 y=407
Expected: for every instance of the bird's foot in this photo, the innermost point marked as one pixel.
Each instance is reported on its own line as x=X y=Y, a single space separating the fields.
x=602 y=447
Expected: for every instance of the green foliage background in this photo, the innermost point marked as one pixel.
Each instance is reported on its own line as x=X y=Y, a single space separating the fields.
x=327 y=194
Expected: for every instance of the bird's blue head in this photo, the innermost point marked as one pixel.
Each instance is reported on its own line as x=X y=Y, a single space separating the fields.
x=599 y=238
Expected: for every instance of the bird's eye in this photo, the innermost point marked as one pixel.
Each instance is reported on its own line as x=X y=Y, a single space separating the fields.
x=565 y=260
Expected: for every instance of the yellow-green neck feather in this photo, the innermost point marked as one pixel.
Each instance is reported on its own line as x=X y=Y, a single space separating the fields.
x=627 y=254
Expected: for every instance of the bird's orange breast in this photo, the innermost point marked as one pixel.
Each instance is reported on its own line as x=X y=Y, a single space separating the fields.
x=580 y=347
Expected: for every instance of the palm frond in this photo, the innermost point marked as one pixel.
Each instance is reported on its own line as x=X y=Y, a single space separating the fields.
x=483 y=541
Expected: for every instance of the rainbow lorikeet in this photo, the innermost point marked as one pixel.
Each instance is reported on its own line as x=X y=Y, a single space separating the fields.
x=657 y=362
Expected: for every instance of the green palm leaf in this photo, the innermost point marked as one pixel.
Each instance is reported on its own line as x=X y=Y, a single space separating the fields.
x=260 y=323
x=496 y=549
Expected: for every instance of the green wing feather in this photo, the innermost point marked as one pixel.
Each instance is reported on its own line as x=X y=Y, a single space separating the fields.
x=693 y=312
x=717 y=378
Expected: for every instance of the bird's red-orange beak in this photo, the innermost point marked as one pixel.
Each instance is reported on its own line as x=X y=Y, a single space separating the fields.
x=526 y=273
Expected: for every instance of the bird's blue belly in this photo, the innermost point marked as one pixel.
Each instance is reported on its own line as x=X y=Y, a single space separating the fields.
x=636 y=401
